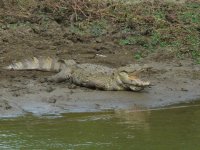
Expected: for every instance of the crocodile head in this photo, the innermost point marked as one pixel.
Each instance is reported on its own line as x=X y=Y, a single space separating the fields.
x=129 y=77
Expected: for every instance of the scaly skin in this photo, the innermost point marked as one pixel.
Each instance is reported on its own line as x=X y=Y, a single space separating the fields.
x=87 y=75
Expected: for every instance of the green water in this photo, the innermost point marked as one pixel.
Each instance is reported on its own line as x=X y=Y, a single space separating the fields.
x=170 y=129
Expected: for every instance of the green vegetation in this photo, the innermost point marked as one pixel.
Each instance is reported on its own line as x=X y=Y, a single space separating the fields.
x=138 y=55
x=98 y=28
x=148 y=25
x=168 y=25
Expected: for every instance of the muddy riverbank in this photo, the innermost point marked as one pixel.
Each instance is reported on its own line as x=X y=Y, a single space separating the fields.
x=25 y=92
x=34 y=28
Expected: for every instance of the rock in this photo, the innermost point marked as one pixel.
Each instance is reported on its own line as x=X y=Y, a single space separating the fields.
x=50 y=89
x=4 y=105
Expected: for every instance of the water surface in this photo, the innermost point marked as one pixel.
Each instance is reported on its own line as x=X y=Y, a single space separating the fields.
x=164 y=129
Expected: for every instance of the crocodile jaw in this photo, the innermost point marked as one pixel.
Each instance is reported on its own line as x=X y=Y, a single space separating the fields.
x=132 y=82
x=136 y=88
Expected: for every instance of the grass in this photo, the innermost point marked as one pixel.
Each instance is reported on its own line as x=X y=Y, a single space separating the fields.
x=138 y=55
x=98 y=28
x=149 y=25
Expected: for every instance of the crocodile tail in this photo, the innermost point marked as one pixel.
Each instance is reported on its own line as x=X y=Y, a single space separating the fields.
x=42 y=63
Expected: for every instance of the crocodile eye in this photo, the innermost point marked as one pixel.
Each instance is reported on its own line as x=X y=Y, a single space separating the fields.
x=61 y=61
x=124 y=71
x=123 y=74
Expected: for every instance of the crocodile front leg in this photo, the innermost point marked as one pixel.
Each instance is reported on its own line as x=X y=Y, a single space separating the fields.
x=64 y=75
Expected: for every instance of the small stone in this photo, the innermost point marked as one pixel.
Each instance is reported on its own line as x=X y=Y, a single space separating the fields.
x=98 y=40
x=50 y=89
x=5 y=40
x=183 y=89
x=97 y=106
x=4 y=104
x=16 y=94
x=42 y=80
x=52 y=100
x=12 y=76
x=72 y=86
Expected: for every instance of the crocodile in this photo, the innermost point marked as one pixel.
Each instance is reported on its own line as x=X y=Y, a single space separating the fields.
x=87 y=75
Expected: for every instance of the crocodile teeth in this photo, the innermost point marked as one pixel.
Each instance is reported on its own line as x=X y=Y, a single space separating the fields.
x=136 y=88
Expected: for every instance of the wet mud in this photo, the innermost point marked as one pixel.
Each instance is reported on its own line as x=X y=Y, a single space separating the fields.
x=26 y=92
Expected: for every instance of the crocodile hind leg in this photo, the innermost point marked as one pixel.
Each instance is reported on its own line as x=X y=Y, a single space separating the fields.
x=64 y=75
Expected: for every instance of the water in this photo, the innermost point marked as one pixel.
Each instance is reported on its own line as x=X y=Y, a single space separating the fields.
x=165 y=129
